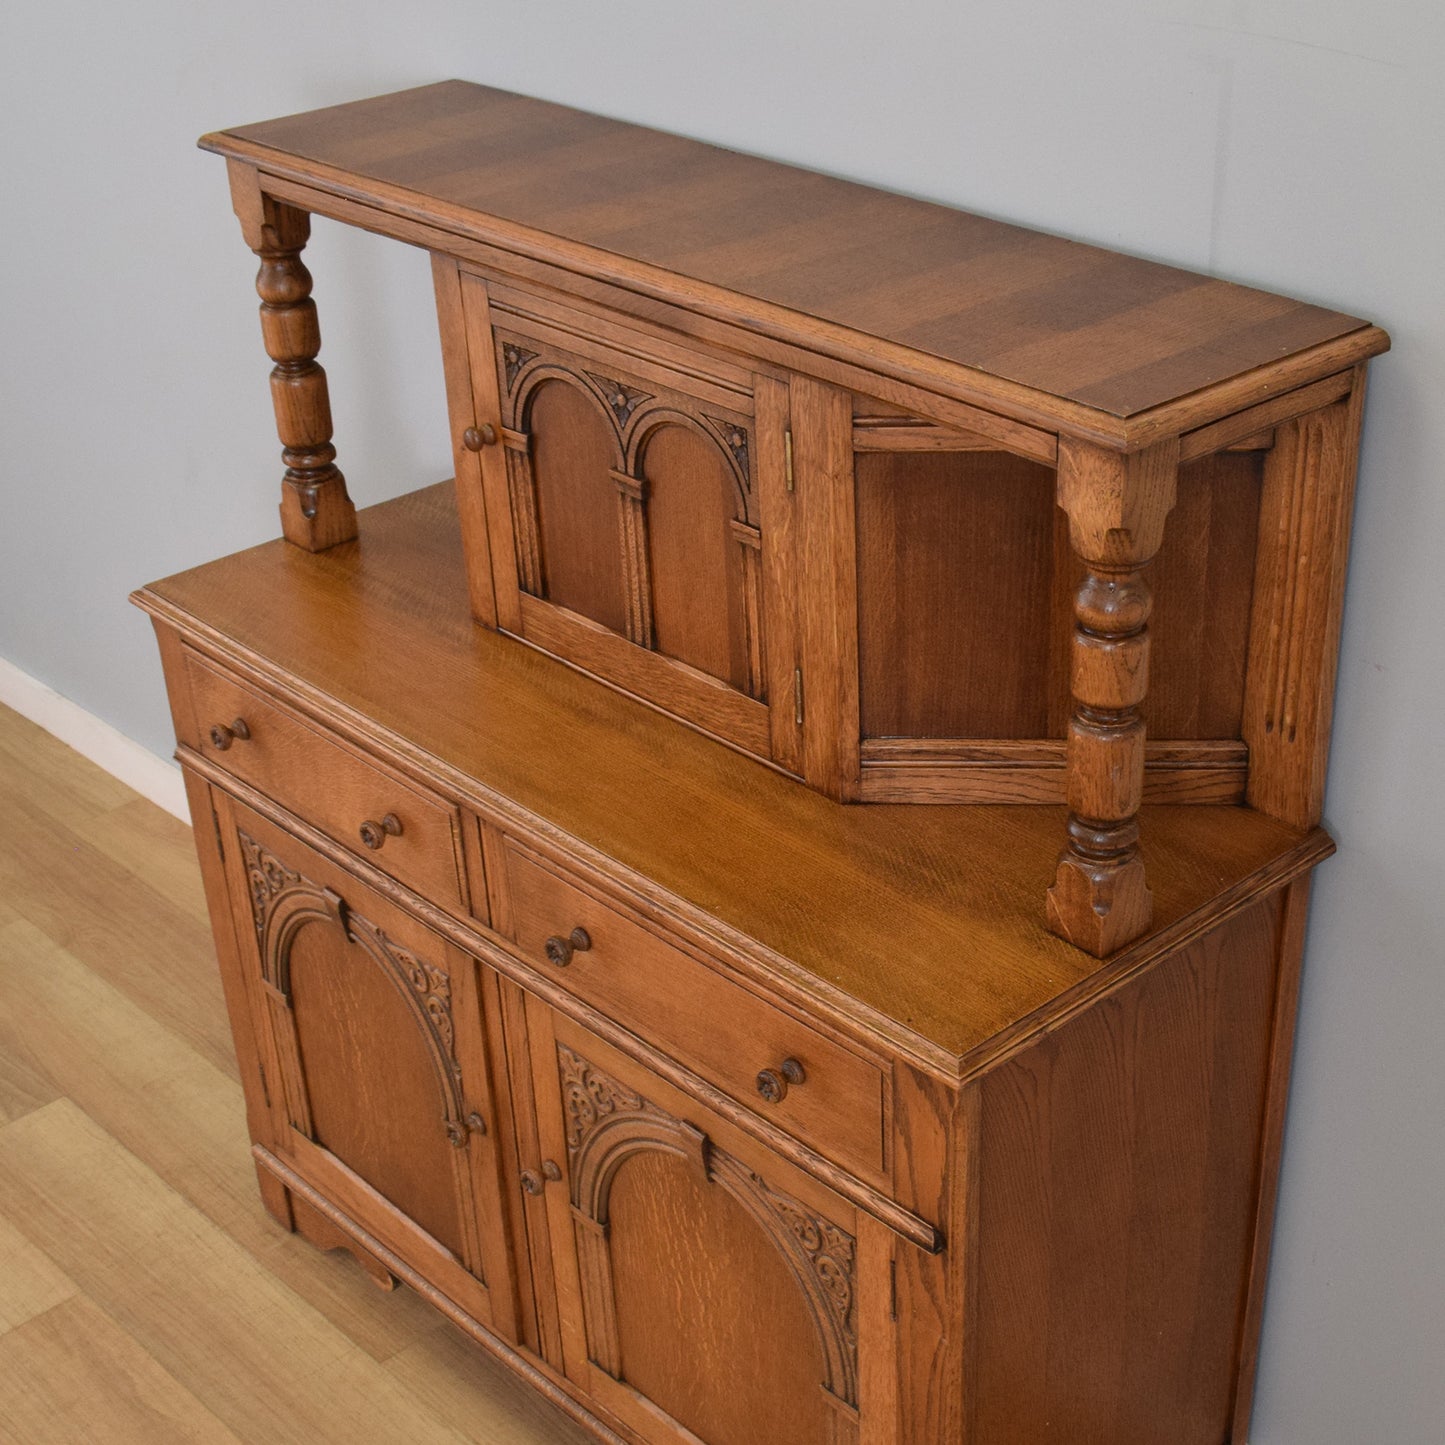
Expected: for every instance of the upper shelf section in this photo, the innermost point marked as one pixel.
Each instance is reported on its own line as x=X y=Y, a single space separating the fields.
x=1050 y=330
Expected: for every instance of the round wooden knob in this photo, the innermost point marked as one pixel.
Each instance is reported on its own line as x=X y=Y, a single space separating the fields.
x=477 y=437
x=374 y=834
x=532 y=1182
x=551 y=1171
x=222 y=735
x=773 y=1083
x=559 y=950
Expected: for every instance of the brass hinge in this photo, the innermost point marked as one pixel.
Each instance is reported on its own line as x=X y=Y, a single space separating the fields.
x=798 y=696
x=788 y=458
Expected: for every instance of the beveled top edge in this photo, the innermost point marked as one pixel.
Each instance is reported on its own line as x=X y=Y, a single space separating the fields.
x=1037 y=318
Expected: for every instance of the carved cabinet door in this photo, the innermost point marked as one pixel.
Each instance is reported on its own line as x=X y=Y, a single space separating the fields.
x=374 y=1062
x=707 y=1291
x=620 y=498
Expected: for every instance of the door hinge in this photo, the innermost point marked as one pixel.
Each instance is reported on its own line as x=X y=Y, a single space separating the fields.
x=798 y=696
x=892 y=1289
x=216 y=824
x=788 y=457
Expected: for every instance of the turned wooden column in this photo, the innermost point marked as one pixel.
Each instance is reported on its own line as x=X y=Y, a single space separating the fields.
x=316 y=511
x=1116 y=506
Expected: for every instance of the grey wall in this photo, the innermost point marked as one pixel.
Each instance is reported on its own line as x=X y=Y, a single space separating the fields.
x=1293 y=145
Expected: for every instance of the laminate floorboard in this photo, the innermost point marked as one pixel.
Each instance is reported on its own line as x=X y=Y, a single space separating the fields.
x=145 y=1294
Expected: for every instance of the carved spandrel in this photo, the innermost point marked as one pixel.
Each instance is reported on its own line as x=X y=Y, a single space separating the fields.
x=268 y=878
x=622 y=398
x=514 y=358
x=589 y=1096
x=735 y=437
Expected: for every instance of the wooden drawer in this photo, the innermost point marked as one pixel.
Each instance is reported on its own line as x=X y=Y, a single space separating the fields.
x=328 y=784
x=717 y=1028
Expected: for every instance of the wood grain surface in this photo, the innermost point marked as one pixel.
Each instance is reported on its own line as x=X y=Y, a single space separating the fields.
x=1107 y=332
x=1117 y=1204
x=878 y=908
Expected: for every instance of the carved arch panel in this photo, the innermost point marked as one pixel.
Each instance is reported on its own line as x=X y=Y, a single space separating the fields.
x=703 y=553
x=364 y=1039
x=611 y=1129
x=632 y=503
x=571 y=453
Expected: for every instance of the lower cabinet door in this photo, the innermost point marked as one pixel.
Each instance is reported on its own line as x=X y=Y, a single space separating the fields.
x=374 y=1056
x=707 y=1290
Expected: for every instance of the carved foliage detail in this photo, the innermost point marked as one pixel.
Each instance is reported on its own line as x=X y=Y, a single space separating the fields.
x=590 y=1096
x=514 y=358
x=736 y=439
x=268 y=877
x=830 y=1250
x=430 y=984
x=623 y=399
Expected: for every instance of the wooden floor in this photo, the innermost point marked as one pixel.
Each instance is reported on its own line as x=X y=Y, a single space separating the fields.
x=145 y=1295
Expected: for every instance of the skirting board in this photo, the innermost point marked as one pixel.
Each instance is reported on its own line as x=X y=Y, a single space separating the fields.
x=93 y=738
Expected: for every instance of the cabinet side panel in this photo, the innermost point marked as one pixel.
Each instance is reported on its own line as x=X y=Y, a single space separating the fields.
x=954 y=555
x=1202 y=585
x=1202 y=582
x=1117 y=1196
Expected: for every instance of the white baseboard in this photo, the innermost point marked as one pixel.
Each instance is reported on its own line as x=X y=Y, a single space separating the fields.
x=93 y=738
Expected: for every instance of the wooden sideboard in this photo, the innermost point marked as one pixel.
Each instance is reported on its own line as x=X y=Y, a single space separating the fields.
x=607 y=989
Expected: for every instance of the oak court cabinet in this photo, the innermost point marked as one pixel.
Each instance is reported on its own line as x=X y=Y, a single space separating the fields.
x=775 y=899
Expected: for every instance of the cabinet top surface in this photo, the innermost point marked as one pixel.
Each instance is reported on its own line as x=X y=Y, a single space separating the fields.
x=928 y=917
x=1067 y=322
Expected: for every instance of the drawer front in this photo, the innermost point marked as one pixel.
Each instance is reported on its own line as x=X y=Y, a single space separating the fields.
x=389 y=822
x=719 y=1029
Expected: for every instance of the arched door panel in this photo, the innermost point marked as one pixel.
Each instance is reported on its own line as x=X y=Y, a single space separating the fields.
x=573 y=454
x=366 y=1017
x=705 y=1291
x=370 y=1078
x=696 y=555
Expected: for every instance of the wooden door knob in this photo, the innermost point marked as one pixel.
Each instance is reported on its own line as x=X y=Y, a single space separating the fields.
x=477 y=437
x=773 y=1083
x=223 y=734
x=374 y=834
x=534 y=1183
x=559 y=950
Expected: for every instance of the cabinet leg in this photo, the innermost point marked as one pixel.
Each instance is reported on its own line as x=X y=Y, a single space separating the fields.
x=1116 y=505
x=317 y=1229
x=276 y=1197
x=316 y=511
